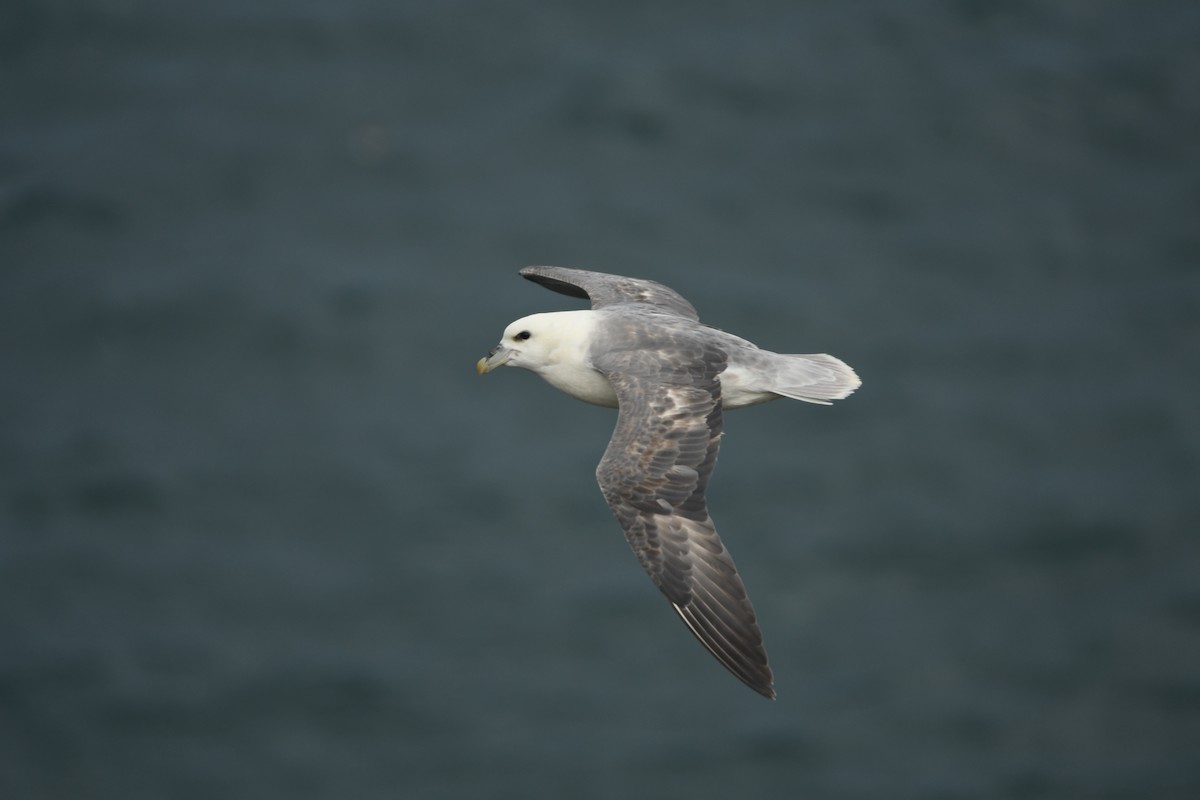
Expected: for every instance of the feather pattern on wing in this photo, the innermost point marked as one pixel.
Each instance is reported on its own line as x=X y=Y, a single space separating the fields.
x=654 y=474
x=605 y=290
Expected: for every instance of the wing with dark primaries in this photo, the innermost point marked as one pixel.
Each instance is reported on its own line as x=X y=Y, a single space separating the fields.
x=607 y=290
x=653 y=476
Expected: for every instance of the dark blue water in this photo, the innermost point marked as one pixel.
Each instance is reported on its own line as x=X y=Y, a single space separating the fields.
x=264 y=533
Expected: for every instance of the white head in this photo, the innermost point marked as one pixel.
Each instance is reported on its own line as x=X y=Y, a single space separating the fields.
x=531 y=343
x=556 y=346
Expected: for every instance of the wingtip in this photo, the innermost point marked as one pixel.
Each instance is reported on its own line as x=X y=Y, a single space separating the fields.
x=536 y=271
x=531 y=273
x=557 y=279
x=758 y=677
x=765 y=688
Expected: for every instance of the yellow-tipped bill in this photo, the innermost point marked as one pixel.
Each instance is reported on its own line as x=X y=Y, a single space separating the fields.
x=499 y=355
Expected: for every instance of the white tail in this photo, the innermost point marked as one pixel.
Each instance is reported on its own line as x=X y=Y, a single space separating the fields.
x=813 y=377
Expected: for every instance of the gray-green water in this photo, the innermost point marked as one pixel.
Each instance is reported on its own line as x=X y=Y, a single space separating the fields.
x=266 y=534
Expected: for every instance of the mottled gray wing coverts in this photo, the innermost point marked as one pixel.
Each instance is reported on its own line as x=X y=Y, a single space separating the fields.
x=653 y=476
x=606 y=290
x=662 y=452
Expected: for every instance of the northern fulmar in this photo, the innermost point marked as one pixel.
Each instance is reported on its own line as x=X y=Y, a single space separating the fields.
x=643 y=350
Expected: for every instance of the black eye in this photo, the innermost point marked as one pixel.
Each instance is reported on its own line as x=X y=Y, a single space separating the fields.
x=523 y=335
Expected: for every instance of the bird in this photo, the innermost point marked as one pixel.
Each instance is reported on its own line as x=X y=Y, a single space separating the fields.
x=642 y=349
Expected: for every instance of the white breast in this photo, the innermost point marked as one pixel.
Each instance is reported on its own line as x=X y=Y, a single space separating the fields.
x=564 y=363
x=581 y=382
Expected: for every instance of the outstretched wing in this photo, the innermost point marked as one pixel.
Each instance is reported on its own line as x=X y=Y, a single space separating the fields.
x=607 y=290
x=653 y=476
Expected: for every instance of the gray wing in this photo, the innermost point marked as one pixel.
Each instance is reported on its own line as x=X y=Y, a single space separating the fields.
x=607 y=290
x=653 y=476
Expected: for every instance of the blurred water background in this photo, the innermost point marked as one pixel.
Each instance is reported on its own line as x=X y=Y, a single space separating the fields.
x=266 y=534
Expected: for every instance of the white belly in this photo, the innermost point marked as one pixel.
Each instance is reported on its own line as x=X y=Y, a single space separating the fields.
x=590 y=386
x=582 y=383
x=741 y=387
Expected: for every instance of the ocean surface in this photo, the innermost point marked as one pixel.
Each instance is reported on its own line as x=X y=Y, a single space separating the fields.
x=264 y=533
